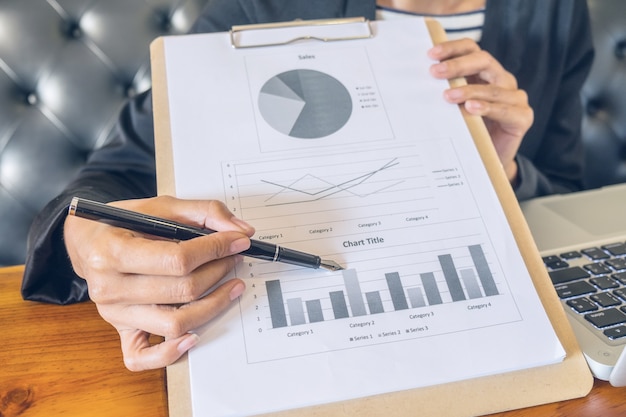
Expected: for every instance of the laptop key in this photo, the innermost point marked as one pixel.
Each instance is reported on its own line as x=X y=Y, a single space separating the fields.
x=554 y=262
x=595 y=253
x=597 y=268
x=582 y=305
x=606 y=299
x=604 y=282
x=574 y=289
x=620 y=276
x=615 y=332
x=605 y=318
x=560 y=264
x=621 y=293
x=550 y=258
x=571 y=255
x=615 y=249
x=568 y=274
x=617 y=264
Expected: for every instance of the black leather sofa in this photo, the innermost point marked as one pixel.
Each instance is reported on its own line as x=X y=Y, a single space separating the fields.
x=66 y=67
x=604 y=96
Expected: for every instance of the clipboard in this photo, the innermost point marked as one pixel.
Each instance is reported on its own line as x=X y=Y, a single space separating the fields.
x=320 y=30
x=568 y=379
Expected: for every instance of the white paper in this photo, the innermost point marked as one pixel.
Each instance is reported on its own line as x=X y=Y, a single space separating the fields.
x=385 y=180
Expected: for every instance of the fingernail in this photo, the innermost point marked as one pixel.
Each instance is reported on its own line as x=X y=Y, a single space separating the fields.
x=188 y=342
x=453 y=94
x=236 y=291
x=473 y=105
x=439 y=68
x=435 y=51
x=239 y=245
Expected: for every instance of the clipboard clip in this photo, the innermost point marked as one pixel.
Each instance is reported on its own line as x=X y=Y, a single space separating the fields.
x=284 y=33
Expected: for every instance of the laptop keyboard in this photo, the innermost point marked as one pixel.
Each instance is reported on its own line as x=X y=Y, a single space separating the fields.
x=592 y=283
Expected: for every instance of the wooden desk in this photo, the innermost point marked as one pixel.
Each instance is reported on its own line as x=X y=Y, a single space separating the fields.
x=65 y=360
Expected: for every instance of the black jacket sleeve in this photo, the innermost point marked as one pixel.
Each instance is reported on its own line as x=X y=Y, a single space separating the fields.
x=547 y=45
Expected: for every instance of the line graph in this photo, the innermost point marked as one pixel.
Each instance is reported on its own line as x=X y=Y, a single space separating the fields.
x=386 y=182
x=328 y=185
x=317 y=188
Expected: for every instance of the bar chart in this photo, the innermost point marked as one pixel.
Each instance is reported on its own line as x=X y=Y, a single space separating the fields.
x=434 y=293
x=352 y=301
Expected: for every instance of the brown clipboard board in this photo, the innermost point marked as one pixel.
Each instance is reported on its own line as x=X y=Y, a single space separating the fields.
x=568 y=379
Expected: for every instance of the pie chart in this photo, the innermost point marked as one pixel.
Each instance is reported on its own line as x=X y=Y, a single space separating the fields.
x=305 y=104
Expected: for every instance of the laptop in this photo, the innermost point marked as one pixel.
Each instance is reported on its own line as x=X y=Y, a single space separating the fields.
x=582 y=240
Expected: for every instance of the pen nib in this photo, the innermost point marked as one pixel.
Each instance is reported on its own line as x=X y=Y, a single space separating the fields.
x=330 y=265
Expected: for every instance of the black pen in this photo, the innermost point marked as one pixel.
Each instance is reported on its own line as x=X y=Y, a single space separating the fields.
x=168 y=229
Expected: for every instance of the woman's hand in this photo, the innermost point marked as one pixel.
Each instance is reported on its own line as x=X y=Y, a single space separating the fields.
x=492 y=92
x=146 y=286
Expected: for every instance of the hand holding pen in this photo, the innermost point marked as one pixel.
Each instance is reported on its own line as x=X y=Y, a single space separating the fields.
x=169 y=229
x=152 y=286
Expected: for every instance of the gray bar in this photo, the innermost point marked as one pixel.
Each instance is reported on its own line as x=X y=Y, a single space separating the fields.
x=471 y=284
x=452 y=278
x=355 y=296
x=430 y=287
x=314 y=309
x=397 y=292
x=416 y=297
x=482 y=267
x=296 y=311
x=338 y=301
x=277 y=305
x=374 y=302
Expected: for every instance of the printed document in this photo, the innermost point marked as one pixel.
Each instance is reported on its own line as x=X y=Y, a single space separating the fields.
x=347 y=150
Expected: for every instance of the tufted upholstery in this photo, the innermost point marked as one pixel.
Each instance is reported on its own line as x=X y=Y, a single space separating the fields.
x=66 y=67
x=604 y=96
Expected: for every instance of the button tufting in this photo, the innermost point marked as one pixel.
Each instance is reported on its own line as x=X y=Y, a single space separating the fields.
x=163 y=20
x=72 y=30
x=620 y=49
x=130 y=91
x=32 y=99
x=71 y=71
